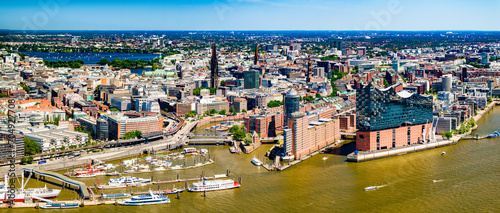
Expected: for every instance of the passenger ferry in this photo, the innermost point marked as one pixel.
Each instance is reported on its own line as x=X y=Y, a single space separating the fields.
x=256 y=161
x=141 y=200
x=214 y=185
x=58 y=205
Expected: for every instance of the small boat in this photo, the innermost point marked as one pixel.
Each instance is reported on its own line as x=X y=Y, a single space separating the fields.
x=115 y=196
x=149 y=199
x=494 y=135
x=324 y=158
x=113 y=174
x=371 y=188
x=214 y=185
x=443 y=153
x=85 y=175
x=232 y=149
x=58 y=205
x=173 y=191
x=176 y=167
x=256 y=161
x=189 y=150
x=161 y=168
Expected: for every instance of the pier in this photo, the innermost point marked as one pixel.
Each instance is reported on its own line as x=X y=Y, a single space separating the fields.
x=82 y=187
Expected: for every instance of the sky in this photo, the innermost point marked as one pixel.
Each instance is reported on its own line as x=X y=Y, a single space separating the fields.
x=411 y=15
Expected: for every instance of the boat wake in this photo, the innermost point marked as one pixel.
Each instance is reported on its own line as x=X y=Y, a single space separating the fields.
x=324 y=158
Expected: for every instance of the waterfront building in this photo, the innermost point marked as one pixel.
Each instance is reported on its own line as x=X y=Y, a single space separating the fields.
x=54 y=138
x=102 y=129
x=292 y=104
x=387 y=119
x=265 y=125
x=303 y=137
x=6 y=148
x=119 y=124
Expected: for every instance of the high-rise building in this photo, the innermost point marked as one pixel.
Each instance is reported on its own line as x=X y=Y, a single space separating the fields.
x=256 y=57
x=252 y=79
x=447 y=82
x=340 y=45
x=291 y=104
x=463 y=77
x=102 y=129
x=361 y=50
x=214 y=68
x=388 y=119
x=309 y=72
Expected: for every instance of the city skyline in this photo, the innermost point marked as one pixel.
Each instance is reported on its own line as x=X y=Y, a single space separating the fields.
x=241 y=15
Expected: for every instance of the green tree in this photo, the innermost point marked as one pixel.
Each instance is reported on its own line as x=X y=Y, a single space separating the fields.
x=213 y=111
x=234 y=129
x=274 y=103
x=30 y=159
x=490 y=100
x=222 y=83
x=447 y=135
x=318 y=95
x=244 y=111
x=239 y=135
x=232 y=110
x=130 y=135
x=63 y=148
x=472 y=122
x=248 y=140
x=137 y=133
x=166 y=110
x=25 y=88
x=386 y=84
x=222 y=112
x=154 y=67
x=30 y=147
x=24 y=160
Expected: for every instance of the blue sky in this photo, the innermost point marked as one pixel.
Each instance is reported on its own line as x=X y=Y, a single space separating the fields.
x=250 y=15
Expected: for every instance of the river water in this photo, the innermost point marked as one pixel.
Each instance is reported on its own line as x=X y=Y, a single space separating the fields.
x=466 y=180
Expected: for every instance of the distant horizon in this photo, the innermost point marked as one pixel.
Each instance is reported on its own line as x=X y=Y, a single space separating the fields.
x=372 y=31
x=250 y=15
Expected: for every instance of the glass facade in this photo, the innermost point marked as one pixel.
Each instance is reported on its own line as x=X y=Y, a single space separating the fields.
x=383 y=109
x=291 y=104
x=252 y=79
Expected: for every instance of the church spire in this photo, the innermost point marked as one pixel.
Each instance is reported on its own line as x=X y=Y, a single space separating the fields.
x=214 y=68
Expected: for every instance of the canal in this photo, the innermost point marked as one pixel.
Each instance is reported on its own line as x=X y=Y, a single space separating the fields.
x=466 y=179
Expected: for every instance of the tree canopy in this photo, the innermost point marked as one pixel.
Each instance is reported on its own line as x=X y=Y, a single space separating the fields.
x=31 y=147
